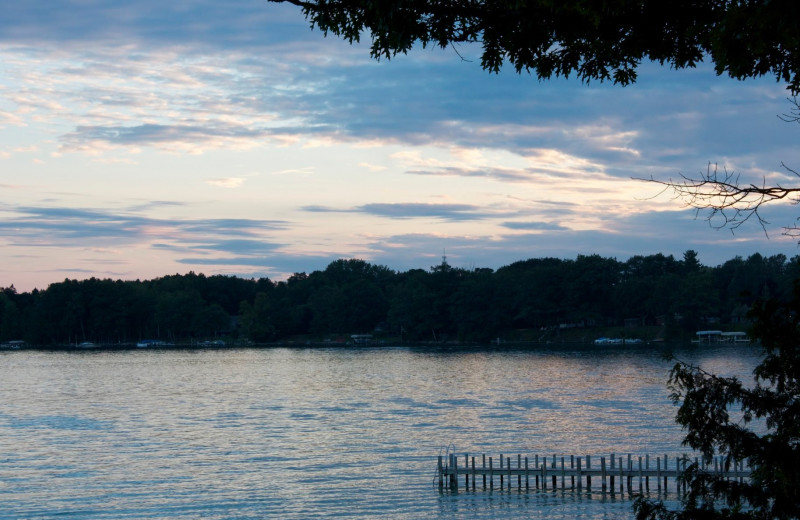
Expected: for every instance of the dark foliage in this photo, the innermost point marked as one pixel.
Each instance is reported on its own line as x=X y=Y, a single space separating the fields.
x=758 y=422
x=602 y=40
x=536 y=299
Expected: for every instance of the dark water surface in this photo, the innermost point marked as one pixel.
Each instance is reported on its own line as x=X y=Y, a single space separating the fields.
x=312 y=433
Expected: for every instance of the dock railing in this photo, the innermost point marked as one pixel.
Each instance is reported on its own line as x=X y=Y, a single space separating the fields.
x=631 y=474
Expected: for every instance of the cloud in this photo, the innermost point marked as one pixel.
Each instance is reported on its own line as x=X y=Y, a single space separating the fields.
x=540 y=226
x=259 y=261
x=227 y=77
x=500 y=174
x=420 y=210
x=411 y=210
x=29 y=226
x=677 y=232
x=186 y=137
x=155 y=204
x=296 y=171
x=226 y=182
x=202 y=24
x=240 y=247
x=372 y=167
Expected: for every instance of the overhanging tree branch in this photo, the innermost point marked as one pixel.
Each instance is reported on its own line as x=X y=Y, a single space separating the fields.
x=725 y=200
x=603 y=40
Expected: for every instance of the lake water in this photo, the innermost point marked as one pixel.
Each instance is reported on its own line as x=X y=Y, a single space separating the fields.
x=312 y=433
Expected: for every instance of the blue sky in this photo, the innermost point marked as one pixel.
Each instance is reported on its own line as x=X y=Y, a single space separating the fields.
x=144 y=138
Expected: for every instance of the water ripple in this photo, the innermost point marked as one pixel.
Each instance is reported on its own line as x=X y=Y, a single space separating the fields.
x=349 y=433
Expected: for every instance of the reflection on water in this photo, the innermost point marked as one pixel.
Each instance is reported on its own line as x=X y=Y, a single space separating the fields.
x=310 y=433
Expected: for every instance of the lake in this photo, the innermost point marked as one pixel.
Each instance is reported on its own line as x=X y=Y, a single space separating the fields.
x=311 y=433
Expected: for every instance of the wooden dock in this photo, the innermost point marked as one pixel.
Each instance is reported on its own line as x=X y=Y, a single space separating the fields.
x=608 y=475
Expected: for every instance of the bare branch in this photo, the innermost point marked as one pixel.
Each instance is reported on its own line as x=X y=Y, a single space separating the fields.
x=729 y=203
x=793 y=116
x=459 y=54
x=725 y=200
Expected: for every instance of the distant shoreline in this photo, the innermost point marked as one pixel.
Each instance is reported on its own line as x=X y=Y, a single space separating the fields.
x=582 y=345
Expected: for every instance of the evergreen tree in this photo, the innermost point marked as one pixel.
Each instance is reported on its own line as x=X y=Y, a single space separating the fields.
x=759 y=423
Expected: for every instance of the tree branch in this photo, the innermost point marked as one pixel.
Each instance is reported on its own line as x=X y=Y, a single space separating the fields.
x=726 y=201
x=793 y=116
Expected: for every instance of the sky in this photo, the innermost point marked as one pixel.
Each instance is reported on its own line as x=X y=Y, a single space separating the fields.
x=142 y=138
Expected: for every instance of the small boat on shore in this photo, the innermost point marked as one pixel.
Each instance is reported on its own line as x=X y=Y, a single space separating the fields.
x=617 y=341
x=147 y=343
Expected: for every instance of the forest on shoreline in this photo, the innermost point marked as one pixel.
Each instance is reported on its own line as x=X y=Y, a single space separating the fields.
x=539 y=299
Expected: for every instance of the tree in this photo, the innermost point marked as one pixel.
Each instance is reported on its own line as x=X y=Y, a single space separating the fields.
x=690 y=262
x=533 y=291
x=597 y=40
x=475 y=310
x=765 y=429
x=256 y=319
x=10 y=316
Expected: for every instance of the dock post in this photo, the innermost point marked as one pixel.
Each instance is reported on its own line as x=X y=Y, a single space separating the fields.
x=527 y=482
x=658 y=473
x=603 y=473
x=611 y=476
x=440 y=470
x=588 y=475
x=572 y=467
x=501 y=472
x=519 y=475
x=630 y=473
x=484 y=471
x=580 y=476
x=544 y=472
x=536 y=469
x=647 y=470
x=555 y=478
x=563 y=474
x=621 y=477
x=466 y=471
x=508 y=468
x=640 y=474
x=473 y=473
x=454 y=473
x=491 y=474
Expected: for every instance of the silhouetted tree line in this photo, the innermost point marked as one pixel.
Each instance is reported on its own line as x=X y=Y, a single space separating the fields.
x=542 y=295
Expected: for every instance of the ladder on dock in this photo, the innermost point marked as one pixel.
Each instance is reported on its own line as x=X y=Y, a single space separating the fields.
x=576 y=472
